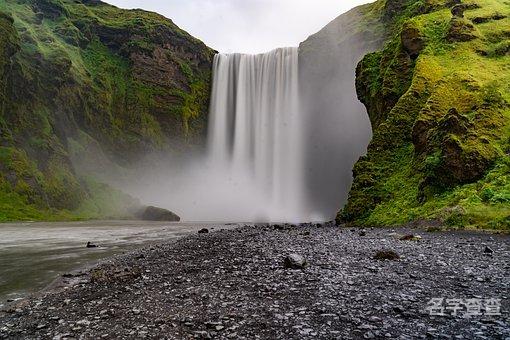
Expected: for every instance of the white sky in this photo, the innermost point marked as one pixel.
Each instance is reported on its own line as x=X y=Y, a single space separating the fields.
x=247 y=26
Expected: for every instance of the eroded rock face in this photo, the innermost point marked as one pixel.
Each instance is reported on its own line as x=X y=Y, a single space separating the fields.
x=437 y=123
x=462 y=165
x=461 y=30
x=412 y=40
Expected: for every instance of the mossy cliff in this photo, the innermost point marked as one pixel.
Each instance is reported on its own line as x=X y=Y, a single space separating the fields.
x=438 y=97
x=83 y=78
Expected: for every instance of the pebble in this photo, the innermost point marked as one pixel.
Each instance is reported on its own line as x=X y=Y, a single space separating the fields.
x=232 y=285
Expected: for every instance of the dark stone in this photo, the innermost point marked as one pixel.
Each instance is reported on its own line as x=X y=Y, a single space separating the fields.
x=294 y=261
x=90 y=245
x=488 y=251
x=158 y=214
x=386 y=255
x=279 y=227
x=410 y=237
x=363 y=233
x=203 y=231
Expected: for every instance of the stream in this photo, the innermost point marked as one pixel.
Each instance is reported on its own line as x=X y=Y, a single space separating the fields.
x=32 y=255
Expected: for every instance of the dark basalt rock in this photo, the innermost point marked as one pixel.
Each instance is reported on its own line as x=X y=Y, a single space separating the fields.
x=158 y=214
x=91 y=245
x=294 y=261
x=386 y=255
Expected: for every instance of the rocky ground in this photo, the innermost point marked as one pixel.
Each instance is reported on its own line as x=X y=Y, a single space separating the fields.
x=237 y=284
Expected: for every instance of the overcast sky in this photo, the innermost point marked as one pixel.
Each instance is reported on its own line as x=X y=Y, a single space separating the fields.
x=247 y=26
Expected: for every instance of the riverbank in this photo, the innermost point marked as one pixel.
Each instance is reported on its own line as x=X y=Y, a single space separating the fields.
x=32 y=255
x=233 y=284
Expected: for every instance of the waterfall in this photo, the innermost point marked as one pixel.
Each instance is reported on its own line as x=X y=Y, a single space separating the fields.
x=255 y=131
x=279 y=148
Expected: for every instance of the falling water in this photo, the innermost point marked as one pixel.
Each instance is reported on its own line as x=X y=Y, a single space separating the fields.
x=279 y=149
x=255 y=130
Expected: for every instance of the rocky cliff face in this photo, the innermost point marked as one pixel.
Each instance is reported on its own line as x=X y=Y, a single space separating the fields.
x=338 y=129
x=84 y=80
x=438 y=99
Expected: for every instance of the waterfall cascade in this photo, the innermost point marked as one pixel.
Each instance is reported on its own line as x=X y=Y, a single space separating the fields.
x=279 y=149
x=255 y=130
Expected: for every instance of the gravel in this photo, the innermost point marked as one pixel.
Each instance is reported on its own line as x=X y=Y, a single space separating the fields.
x=235 y=284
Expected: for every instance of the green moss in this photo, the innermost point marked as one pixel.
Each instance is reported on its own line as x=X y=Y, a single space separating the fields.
x=69 y=69
x=441 y=124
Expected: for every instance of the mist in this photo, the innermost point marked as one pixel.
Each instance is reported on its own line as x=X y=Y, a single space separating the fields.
x=272 y=154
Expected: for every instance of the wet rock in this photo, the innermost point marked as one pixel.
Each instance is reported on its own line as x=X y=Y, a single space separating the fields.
x=203 y=231
x=410 y=237
x=83 y=322
x=91 y=245
x=295 y=261
x=386 y=255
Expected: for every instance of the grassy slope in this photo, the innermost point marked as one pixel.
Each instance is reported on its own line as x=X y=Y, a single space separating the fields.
x=77 y=75
x=441 y=121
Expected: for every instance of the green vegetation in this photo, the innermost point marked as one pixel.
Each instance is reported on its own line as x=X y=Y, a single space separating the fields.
x=88 y=76
x=438 y=96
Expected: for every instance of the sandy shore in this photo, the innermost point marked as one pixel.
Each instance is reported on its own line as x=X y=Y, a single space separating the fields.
x=233 y=284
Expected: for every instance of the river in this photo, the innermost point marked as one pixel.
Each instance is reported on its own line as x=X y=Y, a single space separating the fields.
x=32 y=255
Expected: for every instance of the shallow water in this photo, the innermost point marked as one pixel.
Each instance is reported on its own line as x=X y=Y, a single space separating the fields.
x=32 y=255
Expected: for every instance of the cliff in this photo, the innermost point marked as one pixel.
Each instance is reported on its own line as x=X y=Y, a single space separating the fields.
x=438 y=99
x=337 y=127
x=83 y=84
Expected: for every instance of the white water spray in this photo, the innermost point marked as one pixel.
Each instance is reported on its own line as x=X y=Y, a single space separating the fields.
x=255 y=131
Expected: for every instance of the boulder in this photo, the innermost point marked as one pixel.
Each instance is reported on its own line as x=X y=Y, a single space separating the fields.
x=158 y=214
x=488 y=250
x=386 y=255
x=410 y=237
x=294 y=261
x=91 y=245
